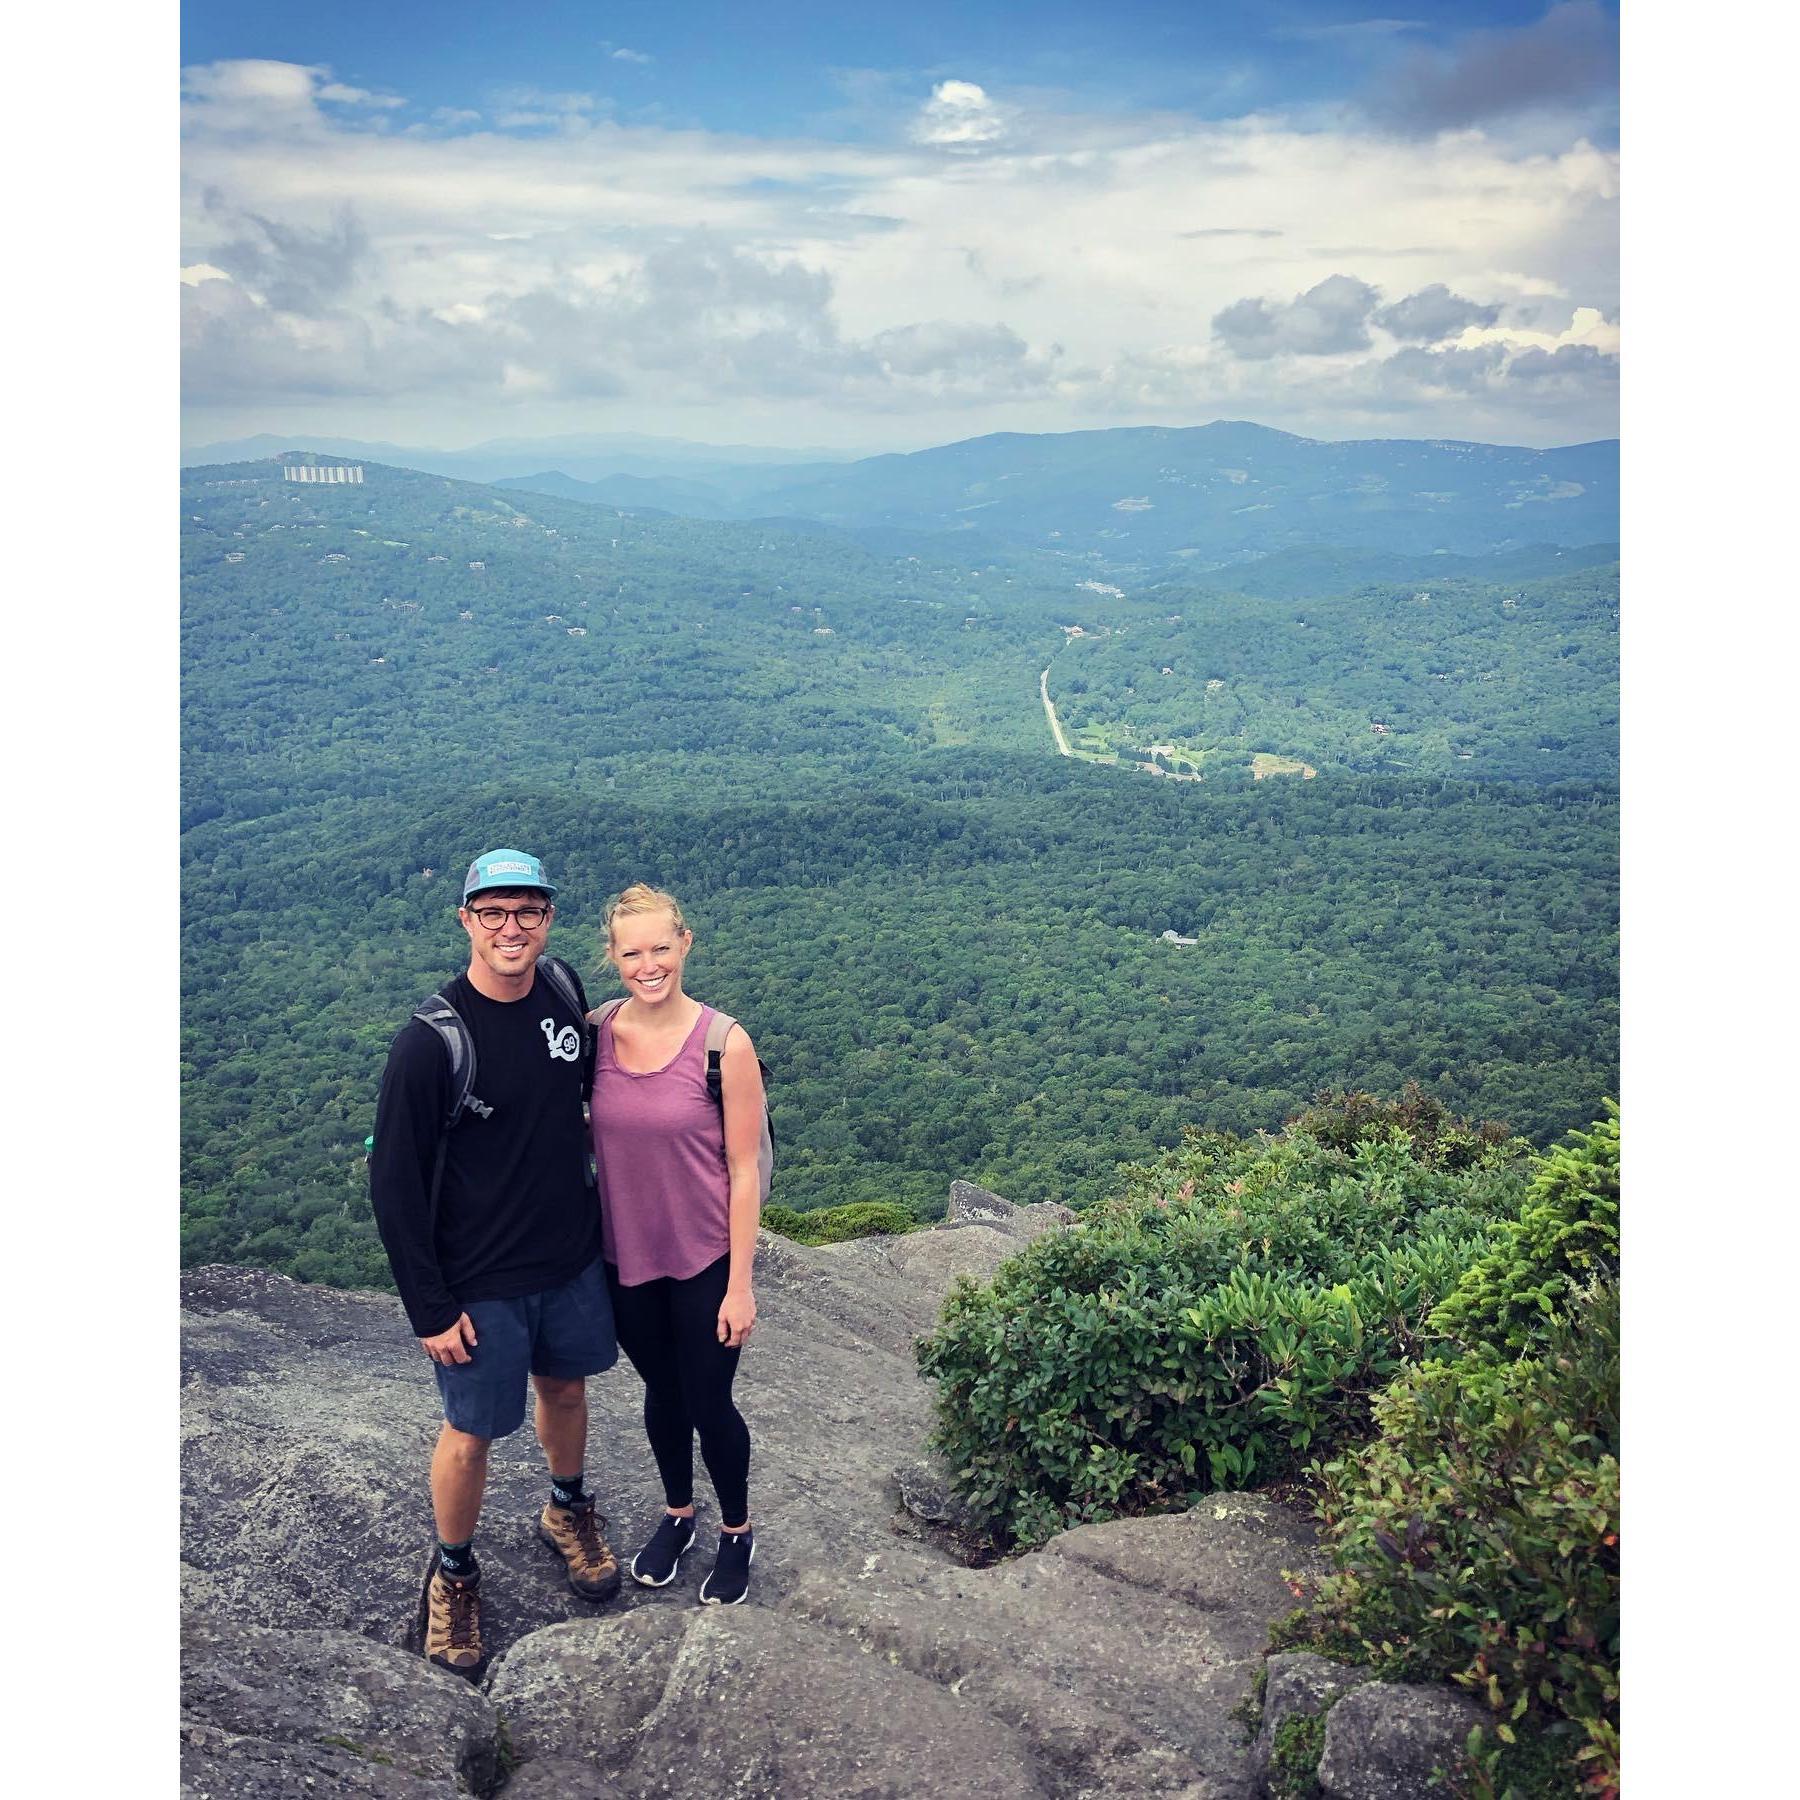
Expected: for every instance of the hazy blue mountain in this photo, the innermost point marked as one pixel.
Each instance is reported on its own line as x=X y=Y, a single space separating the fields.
x=1141 y=497
x=1226 y=489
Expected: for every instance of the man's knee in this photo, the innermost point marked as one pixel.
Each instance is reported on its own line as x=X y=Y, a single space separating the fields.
x=557 y=1395
x=462 y=1448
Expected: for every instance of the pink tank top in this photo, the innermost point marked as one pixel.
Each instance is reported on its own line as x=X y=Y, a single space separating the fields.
x=659 y=1140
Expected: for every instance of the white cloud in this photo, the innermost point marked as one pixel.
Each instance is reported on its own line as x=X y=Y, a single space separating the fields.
x=1069 y=274
x=631 y=56
x=958 y=113
x=355 y=96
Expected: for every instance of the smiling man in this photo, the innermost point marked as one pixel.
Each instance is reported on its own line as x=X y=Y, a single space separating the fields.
x=483 y=1195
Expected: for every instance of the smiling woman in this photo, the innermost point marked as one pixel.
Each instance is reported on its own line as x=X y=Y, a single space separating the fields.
x=681 y=1197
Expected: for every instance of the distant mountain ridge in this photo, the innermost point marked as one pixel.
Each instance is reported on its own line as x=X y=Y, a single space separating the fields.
x=1230 y=491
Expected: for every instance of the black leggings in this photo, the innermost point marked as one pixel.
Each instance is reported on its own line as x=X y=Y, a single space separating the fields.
x=670 y=1330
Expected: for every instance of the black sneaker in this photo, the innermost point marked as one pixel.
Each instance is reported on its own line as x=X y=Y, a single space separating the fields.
x=729 y=1581
x=656 y=1563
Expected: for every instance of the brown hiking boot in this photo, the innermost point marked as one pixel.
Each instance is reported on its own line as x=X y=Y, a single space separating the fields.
x=453 y=1625
x=573 y=1532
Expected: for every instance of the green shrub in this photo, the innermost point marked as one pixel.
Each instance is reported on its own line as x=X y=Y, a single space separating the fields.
x=1345 y=1117
x=1231 y=1315
x=1476 y=1537
x=1566 y=1235
x=835 y=1224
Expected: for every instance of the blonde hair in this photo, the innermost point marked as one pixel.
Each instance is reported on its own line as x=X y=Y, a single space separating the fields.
x=640 y=897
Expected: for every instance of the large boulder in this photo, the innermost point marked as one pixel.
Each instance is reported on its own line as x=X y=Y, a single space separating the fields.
x=869 y=1660
x=267 y=1713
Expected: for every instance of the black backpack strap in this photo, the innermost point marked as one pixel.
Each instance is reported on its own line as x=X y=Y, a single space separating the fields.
x=459 y=1046
x=453 y=1032
x=718 y=1029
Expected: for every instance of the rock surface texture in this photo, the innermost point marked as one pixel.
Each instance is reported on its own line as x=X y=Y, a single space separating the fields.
x=1386 y=1742
x=869 y=1660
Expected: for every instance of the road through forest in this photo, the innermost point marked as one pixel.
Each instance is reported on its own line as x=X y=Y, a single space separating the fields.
x=1062 y=743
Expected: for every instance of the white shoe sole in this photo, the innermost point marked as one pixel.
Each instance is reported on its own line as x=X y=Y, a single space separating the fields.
x=706 y=1599
x=648 y=1581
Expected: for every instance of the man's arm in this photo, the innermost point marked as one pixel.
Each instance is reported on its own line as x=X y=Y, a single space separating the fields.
x=409 y=1118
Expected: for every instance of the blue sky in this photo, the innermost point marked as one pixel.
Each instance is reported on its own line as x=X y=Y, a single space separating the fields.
x=788 y=68
x=813 y=223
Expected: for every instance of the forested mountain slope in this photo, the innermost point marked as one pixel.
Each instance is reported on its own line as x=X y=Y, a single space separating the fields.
x=1143 y=496
x=946 y=938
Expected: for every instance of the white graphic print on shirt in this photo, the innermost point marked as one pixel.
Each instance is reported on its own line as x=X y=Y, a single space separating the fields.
x=564 y=1044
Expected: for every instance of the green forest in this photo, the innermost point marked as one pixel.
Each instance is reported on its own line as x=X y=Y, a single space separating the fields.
x=946 y=938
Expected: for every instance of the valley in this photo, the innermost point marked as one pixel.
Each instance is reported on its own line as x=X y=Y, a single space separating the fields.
x=840 y=747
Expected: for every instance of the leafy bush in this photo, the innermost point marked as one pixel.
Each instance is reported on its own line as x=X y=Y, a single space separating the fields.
x=1345 y=1117
x=835 y=1224
x=1476 y=1536
x=1566 y=1235
x=1231 y=1314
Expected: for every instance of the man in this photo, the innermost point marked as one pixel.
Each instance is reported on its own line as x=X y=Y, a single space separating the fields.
x=499 y=1269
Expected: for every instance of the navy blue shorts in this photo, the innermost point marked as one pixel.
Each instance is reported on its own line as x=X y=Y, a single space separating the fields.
x=564 y=1333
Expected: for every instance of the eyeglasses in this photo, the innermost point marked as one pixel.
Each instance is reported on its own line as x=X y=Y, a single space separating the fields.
x=528 y=918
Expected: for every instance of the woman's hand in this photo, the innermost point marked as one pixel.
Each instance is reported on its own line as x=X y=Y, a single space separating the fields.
x=737 y=1315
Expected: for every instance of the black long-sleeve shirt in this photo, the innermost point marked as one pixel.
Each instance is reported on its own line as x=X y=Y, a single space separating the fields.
x=515 y=1213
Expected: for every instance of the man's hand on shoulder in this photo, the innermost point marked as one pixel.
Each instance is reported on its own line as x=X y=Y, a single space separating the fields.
x=448 y=1346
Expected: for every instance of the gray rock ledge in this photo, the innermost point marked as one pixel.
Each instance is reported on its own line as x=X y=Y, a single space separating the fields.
x=869 y=1660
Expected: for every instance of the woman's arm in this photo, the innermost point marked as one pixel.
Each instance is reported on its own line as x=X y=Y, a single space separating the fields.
x=740 y=1075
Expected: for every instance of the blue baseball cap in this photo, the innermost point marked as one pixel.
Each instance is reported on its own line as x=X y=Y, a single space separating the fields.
x=506 y=869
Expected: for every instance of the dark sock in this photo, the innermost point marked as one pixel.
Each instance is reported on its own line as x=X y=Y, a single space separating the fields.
x=566 y=1490
x=458 y=1560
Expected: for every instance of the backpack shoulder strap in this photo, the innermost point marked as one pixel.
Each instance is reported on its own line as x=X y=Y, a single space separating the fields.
x=718 y=1029
x=453 y=1032
x=605 y=1011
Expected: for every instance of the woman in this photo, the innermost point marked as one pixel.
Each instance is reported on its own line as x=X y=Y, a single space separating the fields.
x=681 y=1196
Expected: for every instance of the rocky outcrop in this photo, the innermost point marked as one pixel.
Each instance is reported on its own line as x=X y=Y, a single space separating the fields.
x=275 y=1712
x=974 y=1205
x=1298 y=1685
x=870 y=1661
x=1382 y=1740
x=1390 y=1742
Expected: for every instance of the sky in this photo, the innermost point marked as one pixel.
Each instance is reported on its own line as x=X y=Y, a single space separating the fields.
x=814 y=224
